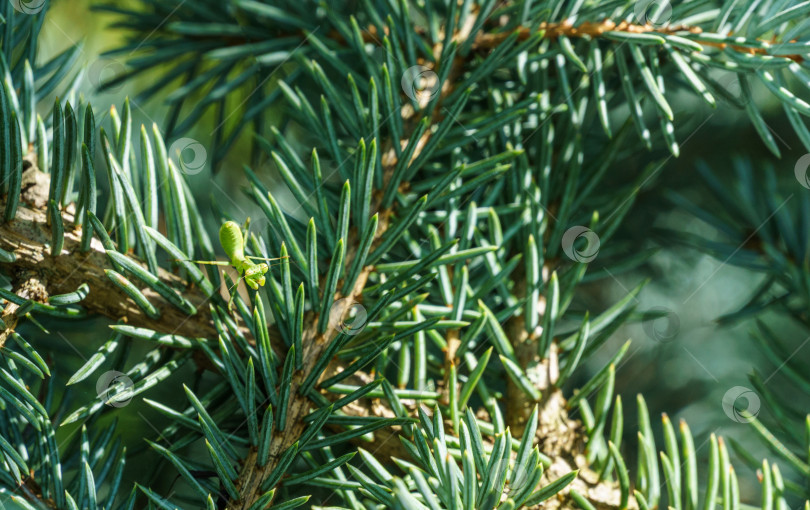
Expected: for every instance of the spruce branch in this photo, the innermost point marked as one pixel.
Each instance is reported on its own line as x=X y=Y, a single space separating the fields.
x=556 y=429
x=314 y=343
x=29 y=238
x=454 y=221
x=676 y=41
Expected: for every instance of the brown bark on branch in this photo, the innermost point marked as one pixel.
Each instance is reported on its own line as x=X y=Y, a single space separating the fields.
x=28 y=236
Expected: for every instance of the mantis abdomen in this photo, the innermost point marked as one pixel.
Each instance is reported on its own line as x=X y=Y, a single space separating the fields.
x=230 y=236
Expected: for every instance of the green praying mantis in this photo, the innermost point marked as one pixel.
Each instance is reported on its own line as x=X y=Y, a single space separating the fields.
x=233 y=241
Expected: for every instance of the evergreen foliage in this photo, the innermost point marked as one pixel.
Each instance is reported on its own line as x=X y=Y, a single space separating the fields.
x=419 y=344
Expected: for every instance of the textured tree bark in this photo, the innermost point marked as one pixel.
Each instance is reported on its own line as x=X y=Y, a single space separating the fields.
x=28 y=237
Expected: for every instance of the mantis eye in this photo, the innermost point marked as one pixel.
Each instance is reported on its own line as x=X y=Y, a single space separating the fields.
x=264 y=267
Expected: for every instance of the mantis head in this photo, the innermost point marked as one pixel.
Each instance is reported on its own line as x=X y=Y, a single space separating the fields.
x=254 y=276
